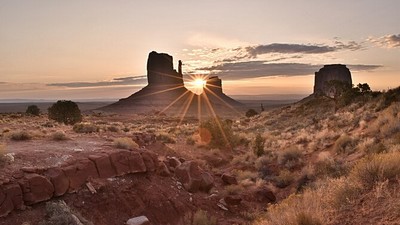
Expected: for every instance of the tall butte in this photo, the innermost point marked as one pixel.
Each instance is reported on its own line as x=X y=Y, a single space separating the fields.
x=166 y=93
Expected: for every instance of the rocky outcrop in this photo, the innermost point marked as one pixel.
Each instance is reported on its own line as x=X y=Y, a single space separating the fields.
x=337 y=72
x=35 y=185
x=193 y=178
x=166 y=93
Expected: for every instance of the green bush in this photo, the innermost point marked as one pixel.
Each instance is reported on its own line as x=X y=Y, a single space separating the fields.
x=217 y=133
x=251 y=113
x=66 y=112
x=33 y=110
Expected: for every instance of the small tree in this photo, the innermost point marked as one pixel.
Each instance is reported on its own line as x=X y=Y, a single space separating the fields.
x=66 y=112
x=33 y=110
x=251 y=113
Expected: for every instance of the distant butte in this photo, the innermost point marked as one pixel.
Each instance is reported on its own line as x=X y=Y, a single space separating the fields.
x=166 y=93
x=328 y=73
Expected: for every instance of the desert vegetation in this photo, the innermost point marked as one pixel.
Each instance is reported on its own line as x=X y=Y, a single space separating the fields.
x=317 y=163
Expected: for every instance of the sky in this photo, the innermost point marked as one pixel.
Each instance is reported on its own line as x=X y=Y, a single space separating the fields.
x=97 y=49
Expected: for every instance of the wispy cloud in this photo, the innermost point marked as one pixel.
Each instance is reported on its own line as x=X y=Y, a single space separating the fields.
x=253 y=69
x=388 y=41
x=137 y=80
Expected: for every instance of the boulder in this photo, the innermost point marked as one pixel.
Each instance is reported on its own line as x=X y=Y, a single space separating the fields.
x=173 y=162
x=233 y=200
x=13 y=191
x=6 y=205
x=103 y=165
x=120 y=162
x=59 y=180
x=140 y=220
x=264 y=194
x=150 y=160
x=163 y=170
x=136 y=163
x=228 y=179
x=193 y=178
x=79 y=173
x=36 y=188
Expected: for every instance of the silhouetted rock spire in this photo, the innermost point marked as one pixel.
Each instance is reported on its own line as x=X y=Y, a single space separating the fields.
x=337 y=72
x=160 y=70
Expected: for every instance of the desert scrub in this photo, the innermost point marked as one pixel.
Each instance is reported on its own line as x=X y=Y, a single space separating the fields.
x=258 y=145
x=125 y=143
x=190 y=141
x=284 y=179
x=377 y=168
x=85 y=128
x=233 y=189
x=201 y=218
x=165 y=138
x=21 y=135
x=329 y=168
x=217 y=133
x=113 y=128
x=344 y=144
x=59 y=136
x=58 y=213
x=290 y=157
x=3 y=158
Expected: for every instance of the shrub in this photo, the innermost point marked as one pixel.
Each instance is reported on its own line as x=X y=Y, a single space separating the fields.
x=217 y=133
x=284 y=179
x=166 y=138
x=290 y=157
x=3 y=158
x=306 y=219
x=125 y=143
x=344 y=144
x=251 y=113
x=201 y=218
x=377 y=168
x=329 y=168
x=33 y=110
x=85 y=128
x=258 y=145
x=113 y=128
x=66 y=112
x=190 y=141
x=59 y=136
x=21 y=136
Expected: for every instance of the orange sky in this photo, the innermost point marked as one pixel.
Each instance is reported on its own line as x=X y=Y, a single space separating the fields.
x=77 y=49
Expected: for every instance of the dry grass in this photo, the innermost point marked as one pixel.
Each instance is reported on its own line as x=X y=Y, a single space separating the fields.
x=344 y=144
x=377 y=168
x=85 y=128
x=290 y=157
x=20 y=135
x=125 y=143
x=59 y=136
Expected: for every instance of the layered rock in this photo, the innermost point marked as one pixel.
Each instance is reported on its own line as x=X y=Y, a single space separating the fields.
x=328 y=73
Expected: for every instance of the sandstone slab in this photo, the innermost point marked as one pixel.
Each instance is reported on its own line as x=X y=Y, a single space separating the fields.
x=36 y=188
x=103 y=165
x=59 y=180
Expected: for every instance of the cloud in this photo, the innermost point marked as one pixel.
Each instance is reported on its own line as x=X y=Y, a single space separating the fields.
x=282 y=48
x=254 y=69
x=115 y=82
x=388 y=41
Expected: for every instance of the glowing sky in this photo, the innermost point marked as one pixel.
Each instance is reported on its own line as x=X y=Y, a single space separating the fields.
x=55 y=49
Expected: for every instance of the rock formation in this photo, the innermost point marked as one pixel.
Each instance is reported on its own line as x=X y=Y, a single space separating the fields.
x=166 y=93
x=337 y=72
